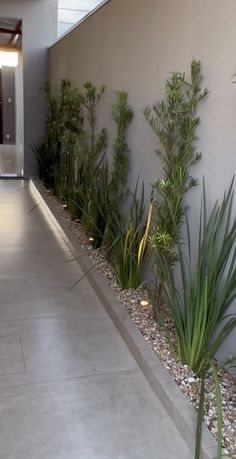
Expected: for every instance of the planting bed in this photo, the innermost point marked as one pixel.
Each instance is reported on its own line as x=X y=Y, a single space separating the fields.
x=143 y=317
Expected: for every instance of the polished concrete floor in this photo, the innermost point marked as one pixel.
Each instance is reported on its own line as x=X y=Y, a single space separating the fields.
x=69 y=387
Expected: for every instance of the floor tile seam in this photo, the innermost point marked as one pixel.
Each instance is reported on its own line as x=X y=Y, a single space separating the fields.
x=15 y=335
x=23 y=354
x=135 y=370
x=76 y=314
x=15 y=373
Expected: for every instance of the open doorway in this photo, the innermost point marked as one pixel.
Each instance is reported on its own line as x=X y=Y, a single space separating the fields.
x=11 y=98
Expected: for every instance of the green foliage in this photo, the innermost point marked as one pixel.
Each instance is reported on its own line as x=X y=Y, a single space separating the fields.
x=46 y=152
x=96 y=218
x=45 y=163
x=103 y=192
x=199 y=308
x=214 y=367
x=132 y=247
x=175 y=120
x=91 y=150
x=122 y=115
x=69 y=125
x=91 y=96
x=63 y=125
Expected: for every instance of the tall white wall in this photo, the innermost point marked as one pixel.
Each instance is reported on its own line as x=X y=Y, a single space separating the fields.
x=39 y=31
x=134 y=45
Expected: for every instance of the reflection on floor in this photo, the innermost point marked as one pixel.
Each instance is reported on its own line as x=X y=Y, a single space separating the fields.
x=11 y=160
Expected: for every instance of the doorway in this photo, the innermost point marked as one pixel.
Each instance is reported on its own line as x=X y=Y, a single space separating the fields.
x=11 y=98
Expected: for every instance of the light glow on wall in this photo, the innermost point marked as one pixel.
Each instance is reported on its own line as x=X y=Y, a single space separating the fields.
x=8 y=59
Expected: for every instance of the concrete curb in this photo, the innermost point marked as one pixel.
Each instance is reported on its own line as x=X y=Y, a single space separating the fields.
x=177 y=406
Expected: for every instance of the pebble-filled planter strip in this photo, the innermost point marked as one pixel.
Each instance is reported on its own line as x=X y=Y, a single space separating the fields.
x=143 y=317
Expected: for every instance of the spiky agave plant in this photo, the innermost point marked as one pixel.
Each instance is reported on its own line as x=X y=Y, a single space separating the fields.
x=199 y=309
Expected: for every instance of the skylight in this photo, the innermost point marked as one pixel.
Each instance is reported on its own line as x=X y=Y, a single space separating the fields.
x=72 y=11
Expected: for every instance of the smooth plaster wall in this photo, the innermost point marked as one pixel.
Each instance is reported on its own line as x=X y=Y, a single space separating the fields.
x=39 y=31
x=134 y=45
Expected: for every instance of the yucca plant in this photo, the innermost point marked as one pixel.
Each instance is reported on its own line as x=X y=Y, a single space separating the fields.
x=132 y=248
x=199 y=309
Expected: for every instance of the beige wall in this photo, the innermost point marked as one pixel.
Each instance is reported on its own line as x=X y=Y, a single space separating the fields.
x=39 y=31
x=133 y=45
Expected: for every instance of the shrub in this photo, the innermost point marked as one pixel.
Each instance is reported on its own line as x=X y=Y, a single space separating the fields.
x=199 y=308
x=174 y=120
x=132 y=249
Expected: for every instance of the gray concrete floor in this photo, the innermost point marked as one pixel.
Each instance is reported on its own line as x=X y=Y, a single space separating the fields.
x=70 y=388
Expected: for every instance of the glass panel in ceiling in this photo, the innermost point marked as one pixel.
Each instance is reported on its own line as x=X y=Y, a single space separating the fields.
x=72 y=11
x=87 y=5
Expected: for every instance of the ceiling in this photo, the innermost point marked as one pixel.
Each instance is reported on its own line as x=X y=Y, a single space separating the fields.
x=10 y=33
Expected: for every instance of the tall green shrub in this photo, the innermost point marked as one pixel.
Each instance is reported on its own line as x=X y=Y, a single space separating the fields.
x=122 y=114
x=63 y=125
x=108 y=190
x=46 y=152
x=91 y=148
x=174 y=120
x=69 y=101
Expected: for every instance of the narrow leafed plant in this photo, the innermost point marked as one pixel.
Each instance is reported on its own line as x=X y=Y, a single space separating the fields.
x=46 y=152
x=230 y=364
x=91 y=96
x=200 y=307
x=92 y=148
x=174 y=120
x=122 y=114
x=96 y=218
x=63 y=124
x=132 y=248
x=70 y=128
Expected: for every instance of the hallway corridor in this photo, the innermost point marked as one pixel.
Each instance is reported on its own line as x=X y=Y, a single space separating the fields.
x=69 y=386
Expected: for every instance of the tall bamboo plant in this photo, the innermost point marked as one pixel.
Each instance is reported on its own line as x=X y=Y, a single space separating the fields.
x=174 y=120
